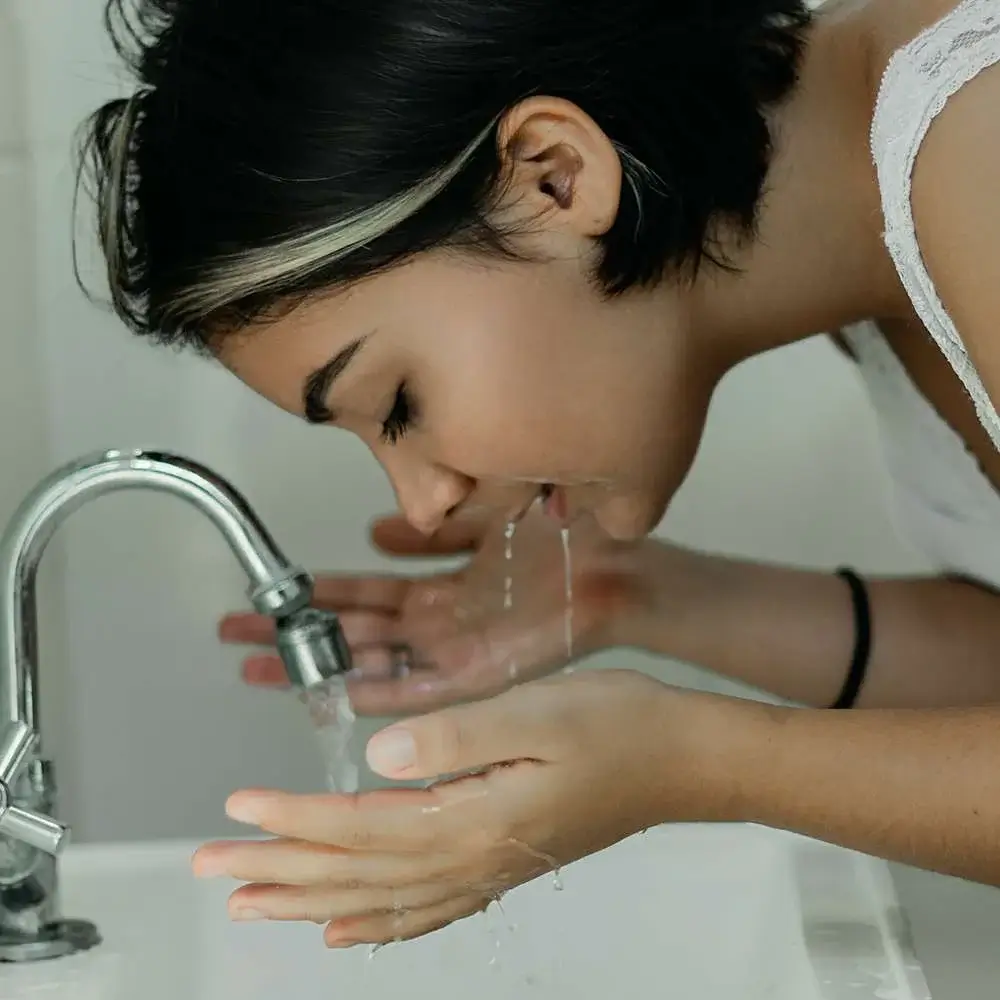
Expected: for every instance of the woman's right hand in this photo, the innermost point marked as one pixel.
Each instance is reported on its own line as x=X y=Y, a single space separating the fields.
x=472 y=633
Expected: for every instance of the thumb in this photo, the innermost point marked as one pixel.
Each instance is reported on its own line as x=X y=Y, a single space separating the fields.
x=516 y=725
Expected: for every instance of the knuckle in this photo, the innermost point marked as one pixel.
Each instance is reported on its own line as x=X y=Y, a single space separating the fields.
x=450 y=744
x=361 y=839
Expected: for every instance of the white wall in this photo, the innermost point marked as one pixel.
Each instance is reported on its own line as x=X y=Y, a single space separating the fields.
x=24 y=411
x=160 y=729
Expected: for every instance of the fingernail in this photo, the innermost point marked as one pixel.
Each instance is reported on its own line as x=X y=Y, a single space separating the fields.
x=244 y=810
x=342 y=943
x=207 y=867
x=245 y=915
x=392 y=750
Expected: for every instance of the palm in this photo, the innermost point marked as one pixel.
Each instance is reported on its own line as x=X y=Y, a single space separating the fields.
x=469 y=634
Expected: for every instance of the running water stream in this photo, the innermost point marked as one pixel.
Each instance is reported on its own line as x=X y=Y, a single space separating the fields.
x=508 y=603
x=567 y=596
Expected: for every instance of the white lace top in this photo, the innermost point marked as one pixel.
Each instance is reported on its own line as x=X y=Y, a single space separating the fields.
x=947 y=505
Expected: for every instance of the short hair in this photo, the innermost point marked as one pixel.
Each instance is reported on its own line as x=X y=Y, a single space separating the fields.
x=276 y=148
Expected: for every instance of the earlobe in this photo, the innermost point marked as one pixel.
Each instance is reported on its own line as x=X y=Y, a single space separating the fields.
x=559 y=160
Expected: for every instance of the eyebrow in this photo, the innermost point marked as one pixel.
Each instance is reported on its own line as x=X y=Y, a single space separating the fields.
x=316 y=388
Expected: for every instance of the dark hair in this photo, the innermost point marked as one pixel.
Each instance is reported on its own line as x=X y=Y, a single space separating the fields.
x=279 y=147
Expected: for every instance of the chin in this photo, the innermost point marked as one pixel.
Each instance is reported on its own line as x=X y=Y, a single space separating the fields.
x=629 y=518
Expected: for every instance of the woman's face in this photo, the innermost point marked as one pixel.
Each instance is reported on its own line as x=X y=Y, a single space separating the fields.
x=481 y=384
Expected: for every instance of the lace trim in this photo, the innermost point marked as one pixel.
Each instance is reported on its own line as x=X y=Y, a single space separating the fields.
x=917 y=84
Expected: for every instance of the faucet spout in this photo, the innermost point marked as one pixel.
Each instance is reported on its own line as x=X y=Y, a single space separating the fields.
x=310 y=642
x=277 y=587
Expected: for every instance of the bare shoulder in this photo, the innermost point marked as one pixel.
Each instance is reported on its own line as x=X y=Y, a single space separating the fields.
x=956 y=208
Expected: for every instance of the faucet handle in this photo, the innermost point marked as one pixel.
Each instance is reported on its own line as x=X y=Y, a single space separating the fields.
x=31 y=828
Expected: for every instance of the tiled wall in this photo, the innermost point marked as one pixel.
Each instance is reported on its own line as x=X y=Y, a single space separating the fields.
x=160 y=730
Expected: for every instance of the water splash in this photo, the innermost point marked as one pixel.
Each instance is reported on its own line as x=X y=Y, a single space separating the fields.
x=547 y=859
x=498 y=902
x=398 y=911
x=333 y=721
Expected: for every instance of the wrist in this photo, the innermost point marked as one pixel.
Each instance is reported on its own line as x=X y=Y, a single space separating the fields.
x=713 y=762
x=675 y=599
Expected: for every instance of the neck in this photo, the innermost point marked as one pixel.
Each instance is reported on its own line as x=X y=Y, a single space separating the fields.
x=817 y=262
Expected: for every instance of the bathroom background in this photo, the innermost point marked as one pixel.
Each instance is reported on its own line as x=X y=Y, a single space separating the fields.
x=135 y=683
x=150 y=724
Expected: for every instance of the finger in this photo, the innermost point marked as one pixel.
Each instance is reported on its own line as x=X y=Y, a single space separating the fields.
x=247 y=628
x=405 y=925
x=423 y=690
x=472 y=666
x=360 y=628
x=297 y=863
x=376 y=595
x=265 y=671
x=395 y=820
x=323 y=903
x=396 y=536
x=369 y=664
x=468 y=667
x=520 y=724
x=372 y=593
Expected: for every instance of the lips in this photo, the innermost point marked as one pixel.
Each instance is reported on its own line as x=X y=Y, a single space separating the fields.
x=552 y=499
x=555 y=502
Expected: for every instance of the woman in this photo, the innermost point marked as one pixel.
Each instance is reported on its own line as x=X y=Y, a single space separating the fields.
x=514 y=245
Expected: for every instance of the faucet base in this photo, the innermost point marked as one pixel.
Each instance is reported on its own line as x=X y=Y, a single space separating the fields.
x=57 y=940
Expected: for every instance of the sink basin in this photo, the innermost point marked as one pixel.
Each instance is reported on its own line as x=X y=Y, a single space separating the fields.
x=694 y=912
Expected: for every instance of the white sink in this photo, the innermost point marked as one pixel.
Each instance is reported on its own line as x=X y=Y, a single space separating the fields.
x=692 y=912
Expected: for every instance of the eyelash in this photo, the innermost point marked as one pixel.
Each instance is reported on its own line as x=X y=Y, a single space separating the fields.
x=401 y=416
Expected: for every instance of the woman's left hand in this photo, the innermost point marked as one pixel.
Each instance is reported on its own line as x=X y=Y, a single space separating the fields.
x=569 y=766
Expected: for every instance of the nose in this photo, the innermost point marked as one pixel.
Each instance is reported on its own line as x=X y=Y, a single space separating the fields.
x=428 y=493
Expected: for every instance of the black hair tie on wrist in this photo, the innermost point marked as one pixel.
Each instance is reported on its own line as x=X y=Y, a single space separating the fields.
x=862 y=640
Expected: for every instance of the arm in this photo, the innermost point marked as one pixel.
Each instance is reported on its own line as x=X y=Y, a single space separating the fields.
x=920 y=786
x=935 y=641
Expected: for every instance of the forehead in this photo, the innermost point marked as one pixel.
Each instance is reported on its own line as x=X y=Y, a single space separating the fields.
x=276 y=356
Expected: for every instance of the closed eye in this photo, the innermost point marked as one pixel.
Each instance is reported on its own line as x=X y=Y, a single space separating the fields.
x=401 y=417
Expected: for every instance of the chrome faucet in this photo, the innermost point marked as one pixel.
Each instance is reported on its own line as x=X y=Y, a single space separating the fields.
x=310 y=642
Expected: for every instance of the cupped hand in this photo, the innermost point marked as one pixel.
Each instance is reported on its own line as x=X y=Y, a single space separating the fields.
x=471 y=633
x=564 y=767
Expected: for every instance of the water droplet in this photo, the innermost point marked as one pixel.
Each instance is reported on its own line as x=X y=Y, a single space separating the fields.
x=568 y=591
x=511 y=926
x=397 y=921
x=508 y=551
x=508 y=584
x=494 y=961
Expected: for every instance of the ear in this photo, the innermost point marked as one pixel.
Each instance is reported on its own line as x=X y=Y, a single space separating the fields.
x=561 y=166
